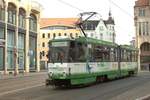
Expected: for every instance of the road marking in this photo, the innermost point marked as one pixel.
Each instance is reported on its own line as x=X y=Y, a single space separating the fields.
x=147 y=97
x=12 y=91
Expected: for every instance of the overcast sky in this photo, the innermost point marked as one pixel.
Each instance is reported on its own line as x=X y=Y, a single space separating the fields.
x=122 y=12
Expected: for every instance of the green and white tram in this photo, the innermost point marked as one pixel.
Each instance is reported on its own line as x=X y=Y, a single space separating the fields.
x=85 y=60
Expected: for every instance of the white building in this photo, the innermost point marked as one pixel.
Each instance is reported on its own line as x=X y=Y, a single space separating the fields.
x=101 y=29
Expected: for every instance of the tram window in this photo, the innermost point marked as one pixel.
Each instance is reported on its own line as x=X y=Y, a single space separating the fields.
x=112 y=54
x=98 y=53
x=106 y=54
x=122 y=55
x=91 y=55
x=81 y=52
x=133 y=56
x=72 y=52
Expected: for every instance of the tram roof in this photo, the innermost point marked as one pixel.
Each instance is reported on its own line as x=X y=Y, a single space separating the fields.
x=87 y=39
x=128 y=47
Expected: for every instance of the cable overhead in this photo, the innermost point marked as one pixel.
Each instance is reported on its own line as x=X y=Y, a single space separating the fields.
x=70 y=5
x=124 y=11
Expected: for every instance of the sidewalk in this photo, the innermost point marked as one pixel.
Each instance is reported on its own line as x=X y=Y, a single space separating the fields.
x=21 y=75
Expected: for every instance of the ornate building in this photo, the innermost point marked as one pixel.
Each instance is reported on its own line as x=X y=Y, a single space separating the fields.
x=19 y=26
x=101 y=29
x=142 y=26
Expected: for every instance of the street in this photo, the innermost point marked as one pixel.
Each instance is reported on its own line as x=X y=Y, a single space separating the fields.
x=33 y=88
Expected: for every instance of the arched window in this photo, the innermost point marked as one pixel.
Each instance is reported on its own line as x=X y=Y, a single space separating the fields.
x=11 y=13
x=33 y=23
x=65 y=34
x=2 y=10
x=22 y=15
x=59 y=34
x=145 y=47
x=54 y=35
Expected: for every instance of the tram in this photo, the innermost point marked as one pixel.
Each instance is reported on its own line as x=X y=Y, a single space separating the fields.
x=86 y=60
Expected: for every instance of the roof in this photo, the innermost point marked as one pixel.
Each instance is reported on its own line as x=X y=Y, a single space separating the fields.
x=87 y=39
x=90 y=24
x=128 y=47
x=109 y=21
x=141 y=3
x=44 y=22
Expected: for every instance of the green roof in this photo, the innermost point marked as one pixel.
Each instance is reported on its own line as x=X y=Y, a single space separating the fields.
x=95 y=41
x=85 y=40
x=128 y=47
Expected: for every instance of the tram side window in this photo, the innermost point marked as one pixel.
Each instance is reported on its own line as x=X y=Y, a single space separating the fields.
x=116 y=55
x=122 y=55
x=112 y=54
x=133 y=56
x=98 y=53
x=81 y=52
x=136 y=56
x=106 y=55
x=72 y=52
x=128 y=56
x=91 y=55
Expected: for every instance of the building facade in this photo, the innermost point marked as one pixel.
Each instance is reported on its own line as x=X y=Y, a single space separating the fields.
x=101 y=29
x=142 y=26
x=19 y=28
x=51 y=28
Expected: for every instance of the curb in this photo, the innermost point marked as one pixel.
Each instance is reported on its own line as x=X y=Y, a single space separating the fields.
x=147 y=97
x=3 y=77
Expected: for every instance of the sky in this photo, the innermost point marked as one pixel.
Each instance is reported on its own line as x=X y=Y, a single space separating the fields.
x=122 y=12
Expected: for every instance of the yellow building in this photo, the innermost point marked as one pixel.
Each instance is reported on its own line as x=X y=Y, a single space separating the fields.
x=19 y=28
x=50 y=28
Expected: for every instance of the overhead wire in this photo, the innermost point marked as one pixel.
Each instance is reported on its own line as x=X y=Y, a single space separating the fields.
x=70 y=5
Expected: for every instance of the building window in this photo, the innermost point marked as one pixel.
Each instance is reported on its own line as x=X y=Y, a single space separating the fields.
x=101 y=28
x=43 y=44
x=140 y=28
x=1 y=58
x=2 y=10
x=71 y=35
x=22 y=15
x=32 y=49
x=147 y=30
x=76 y=34
x=43 y=53
x=59 y=34
x=33 y=23
x=10 y=50
x=21 y=42
x=11 y=14
x=65 y=34
x=2 y=36
x=10 y=38
x=92 y=35
x=143 y=27
x=54 y=35
x=48 y=35
x=141 y=12
x=43 y=35
x=101 y=36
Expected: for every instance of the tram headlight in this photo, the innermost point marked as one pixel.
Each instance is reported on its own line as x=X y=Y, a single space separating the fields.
x=50 y=74
x=64 y=74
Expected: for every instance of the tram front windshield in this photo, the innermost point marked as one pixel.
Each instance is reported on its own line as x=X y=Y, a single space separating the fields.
x=63 y=52
x=58 y=52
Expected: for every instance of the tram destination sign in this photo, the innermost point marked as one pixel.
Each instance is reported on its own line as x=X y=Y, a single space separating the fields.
x=59 y=44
